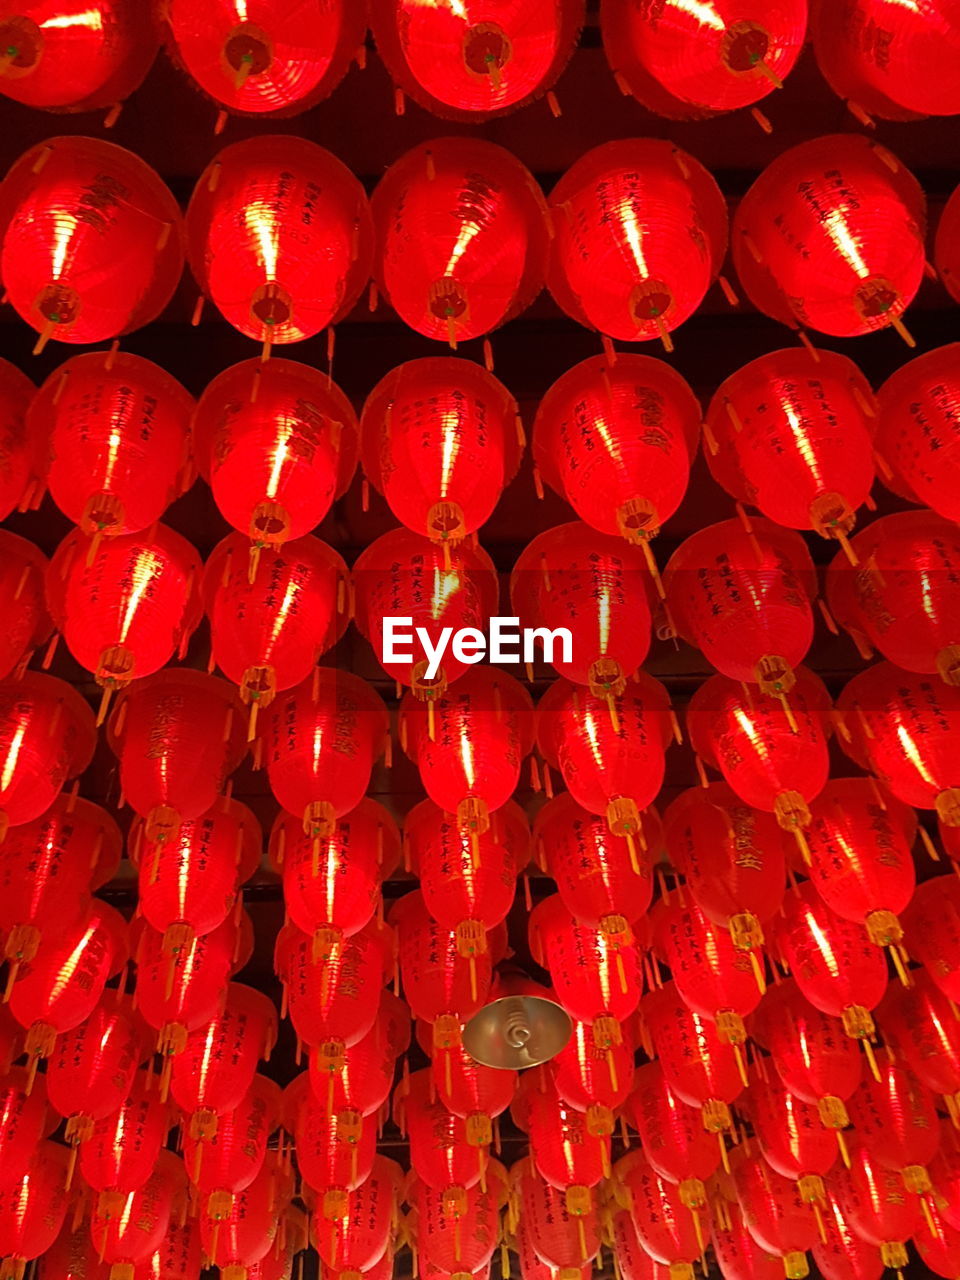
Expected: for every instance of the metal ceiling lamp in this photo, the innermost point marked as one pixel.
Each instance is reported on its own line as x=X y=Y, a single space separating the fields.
x=520 y=1027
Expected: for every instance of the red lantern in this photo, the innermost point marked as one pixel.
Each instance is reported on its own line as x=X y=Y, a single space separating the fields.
x=179 y=734
x=920 y=1024
x=591 y=1079
x=116 y=432
x=21 y=465
x=945 y=252
x=333 y=998
x=939 y=1248
x=473 y=62
x=475 y=1233
x=125 y=604
x=47 y=735
x=872 y=1200
x=359 y=1238
x=279 y=237
x=640 y=235
x=132 y=1235
x=907 y=727
x=26 y=621
x=558 y=1238
x=772 y=753
x=360 y=1077
x=570 y=1149
x=791 y=433
x=611 y=756
x=441 y=985
x=441 y=438
x=23 y=1125
x=74 y=56
x=92 y=242
x=776 y=1214
x=32 y=1211
x=461 y=237
x=476 y=1093
x=674 y=1140
x=617 y=441
x=119 y=1154
x=745 y=599
x=321 y=742
x=73 y=1257
x=403 y=574
x=92 y=1067
x=227 y=1162
x=470 y=743
x=738 y=1255
x=668 y=1229
x=688 y=64
x=840 y=1254
x=932 y=925
x=594 y=586
x=179 y=1256
x=264 y=58
x=440 y=1151
x=806 y=251
x=791 y=1138
x=246 y=1237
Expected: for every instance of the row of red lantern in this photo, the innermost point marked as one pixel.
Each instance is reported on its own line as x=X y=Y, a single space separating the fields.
x=459 y=238
x=471 y=62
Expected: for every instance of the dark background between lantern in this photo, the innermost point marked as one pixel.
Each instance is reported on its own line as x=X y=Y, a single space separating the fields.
x=170 y=125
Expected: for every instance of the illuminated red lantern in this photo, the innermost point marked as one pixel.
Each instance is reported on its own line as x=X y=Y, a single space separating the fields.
x=133 y=1234
x=441 y=438
x=360 y=1077
x=72 y=1256
x=791 y=433
x=772 y=752
x=674 y=1140
x=917 y=432
x=907 y=728
x=441 y=985
x=440 y=1152
x=125 y=604
x=738 y=1255
x=23 y=1112
x=237 y=1243
x=592 y=1079
x=277 y=442
x=227 y=1162
x=668 y=1229
x=26 y=621
x=321 y=740
x=404 y=574
x=611 y=755
x=791 y=1138
x=896 y=1119
x=47 y=735
x=920 y=1025
x=569 y=1150
x=688 y=64
x=945 y=247
x=462 y=237
x=358 y=1239
x=808 y=253
x=119 y=1154
x=179 y=1256
x=886 y=62
x=92 y=1067
x=932 y=927
x=32 y=1211
x=264 y=58
x=179 y=734
x=279 y=237
x=840 y=1254
x=92 y=240
x=872 y=1200
x=556 y=1237
x=617 y=441
x=115 y=430
x=775 y=1213
x=333 y=997
x=21 y=463
x=48 y=868
x=597 y=588
x=939 y=1248
x=640 y=233
x=945 y=1170
x=476 y=1093
x=745 y=599
x=470 y=743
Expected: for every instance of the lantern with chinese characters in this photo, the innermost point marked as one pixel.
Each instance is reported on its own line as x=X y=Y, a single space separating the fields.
x=773 y=754
x=441 y=984
x=738 y=1255
x=277 y=442
x=921 y=1027
x=179 y=1256
x=873 y=1201
x=476 y=1093
x=359 y=1238
x=902 y=598
x=92 y=240
x=583 y=1078
x=32 y=1210
x=47 y=735
x=596 y=588
x=72 y=1256
x=745 y=599
x=333 y=998
x=468 y=1243
x=617 y=439
x=125 y=604
x=440 y=1151
x=23 y=1110
x=917 y=430
x=791 y=434
x=640 y=235
x=440 y=439
x=840 y=1254
x=119 y=1154
x=115 y=430
x=886 y=62
x=222 y=1164
x=470 y=743
x=674 y=1140
x=26 y=621
x=404 y=574
x=92 y=1067
x=132 y=1235
x=279 y=237
x=907 y=728
x=932 y=927
x=477 y=60
x=461 y=238
x=246 y=1236
x=322 y=739
x=21 y=463
x=265 y=58
x=179 y=734
x=776 y=1213
x=808 y=252
x=611 y=755
x=687 y=65
x=361 y=1076
x=671 y=1231
x=188 y=884
x=791 y=1138
x=558 y=1238
x=569 y=1150
x=939 y=1247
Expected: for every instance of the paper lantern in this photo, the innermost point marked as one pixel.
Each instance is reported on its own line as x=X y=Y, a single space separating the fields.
x=469 y=1242
x=791 y=1138
x=179 y=734
x=686 y=65
x=473 y=62
x=359 y=1238
x=26 y=621
x=461 y=238
x=247 y=1235
x=873 y=1201
x=807 y=252
x=115 y=432
x=591 y=1079
x=266 y=58
x=21 y=463
x=92 y=1067
x=405 y=575
x=640 y=233
x=939 y=1248
x=23 y=1109
x=441 y=438
x=617 y=441
x=932 y=927
x=669 y=1230
x=775 y=1213
x=738 y=1255
x=131 y=1236
x=440 y=1152
x=360 y=1077
x=478 y=1094
x=440 y=984
x=227 y=1162
x=32 y=1211
x=92 y=240
x=333 y=998
x=919 y=1023
x=745 y=599
x=840 y=1254
x=179 y=1256
x=119 y=1153
x=569 y=1150
x=72 y=1255
x=916 y=429
x=791 y=433
x=674 y=1140
x=555 y=1235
